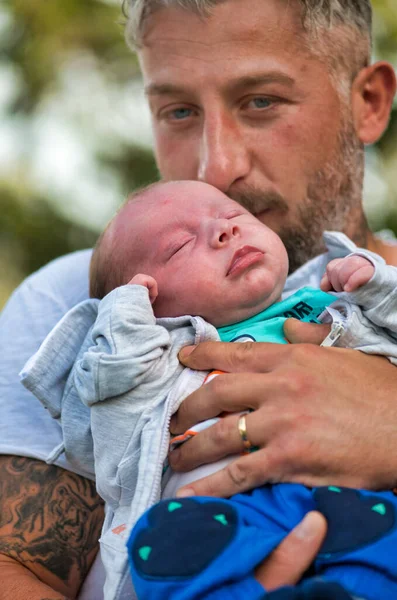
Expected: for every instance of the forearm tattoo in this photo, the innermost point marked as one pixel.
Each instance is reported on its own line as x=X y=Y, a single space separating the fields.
x=50 y=519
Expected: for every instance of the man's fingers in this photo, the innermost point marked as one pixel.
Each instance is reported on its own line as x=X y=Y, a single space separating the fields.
x=289 y=561
x=298 y=332
x=216 y=442
x=240 y=475
x=232 y=395
x=232 y=358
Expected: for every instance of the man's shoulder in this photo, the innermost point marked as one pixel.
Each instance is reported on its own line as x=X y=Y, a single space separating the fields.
x=64 y=277
x=46 y=295
x=68 y=266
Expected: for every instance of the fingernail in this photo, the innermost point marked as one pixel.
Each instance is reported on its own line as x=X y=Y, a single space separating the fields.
x=186 y=351
x=185 y=492
x=307 y=528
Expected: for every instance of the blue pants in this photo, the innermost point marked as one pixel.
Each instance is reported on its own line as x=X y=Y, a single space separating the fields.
x=196 y=548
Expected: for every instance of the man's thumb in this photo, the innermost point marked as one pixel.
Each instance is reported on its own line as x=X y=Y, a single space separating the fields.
x=298 y=332
x=289 y=561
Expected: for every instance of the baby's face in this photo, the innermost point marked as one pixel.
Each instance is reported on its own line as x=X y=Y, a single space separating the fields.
x=210 y=256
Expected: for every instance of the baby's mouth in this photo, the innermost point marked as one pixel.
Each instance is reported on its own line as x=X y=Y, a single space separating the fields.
x=244 y=258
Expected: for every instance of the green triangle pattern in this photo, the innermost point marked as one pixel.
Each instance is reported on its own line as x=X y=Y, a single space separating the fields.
x=144 y=552
x=221 y=518
x=174 y=506
x=379 y=508
x=332 y=488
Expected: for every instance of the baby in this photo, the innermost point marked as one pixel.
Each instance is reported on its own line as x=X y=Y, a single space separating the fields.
x=174 y=250
x=205 y=253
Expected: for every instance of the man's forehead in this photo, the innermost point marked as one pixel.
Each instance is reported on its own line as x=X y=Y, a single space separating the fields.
x=237 y=21
x=241 y=40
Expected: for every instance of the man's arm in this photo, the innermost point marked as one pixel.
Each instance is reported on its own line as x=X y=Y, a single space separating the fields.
x=50 y=520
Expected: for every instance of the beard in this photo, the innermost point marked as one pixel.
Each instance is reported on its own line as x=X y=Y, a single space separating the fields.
x=333 y=202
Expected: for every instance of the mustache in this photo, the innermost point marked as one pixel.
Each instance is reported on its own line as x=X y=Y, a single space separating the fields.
x=257 y=201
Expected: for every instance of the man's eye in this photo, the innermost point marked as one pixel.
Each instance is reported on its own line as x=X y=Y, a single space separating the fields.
x=178 y=114
x=260 y=102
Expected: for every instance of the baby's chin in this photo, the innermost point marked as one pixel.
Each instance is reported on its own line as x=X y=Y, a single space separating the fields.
x=242 y=313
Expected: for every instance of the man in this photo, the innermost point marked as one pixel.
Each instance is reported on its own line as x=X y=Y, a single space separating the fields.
x=272 y=103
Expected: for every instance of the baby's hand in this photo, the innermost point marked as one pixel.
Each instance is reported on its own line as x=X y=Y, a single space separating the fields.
x=347 y=274
x=148 y=282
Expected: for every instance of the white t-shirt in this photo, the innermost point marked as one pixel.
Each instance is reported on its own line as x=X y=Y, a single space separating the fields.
x=26 y=428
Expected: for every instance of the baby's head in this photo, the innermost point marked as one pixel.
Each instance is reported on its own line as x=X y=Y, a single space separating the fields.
x=209 y=255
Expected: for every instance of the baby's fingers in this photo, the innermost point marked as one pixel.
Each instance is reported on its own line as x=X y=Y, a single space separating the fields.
x=359 y=277
x=331 y=276
x=152 y=289
x=325 y=283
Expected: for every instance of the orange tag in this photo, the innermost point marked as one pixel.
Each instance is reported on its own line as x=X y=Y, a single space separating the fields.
x=119 y=529
x=212 y=376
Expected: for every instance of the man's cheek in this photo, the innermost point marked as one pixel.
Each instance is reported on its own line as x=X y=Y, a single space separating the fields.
x=176 y=157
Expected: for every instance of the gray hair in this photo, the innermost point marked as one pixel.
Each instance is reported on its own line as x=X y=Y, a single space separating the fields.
x=319 y=17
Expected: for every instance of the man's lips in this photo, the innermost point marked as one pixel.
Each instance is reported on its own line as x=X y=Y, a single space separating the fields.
x=244 y=258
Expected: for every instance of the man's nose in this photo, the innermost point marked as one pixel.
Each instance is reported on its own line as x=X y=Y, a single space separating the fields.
x=224 y=157
x=222 y=231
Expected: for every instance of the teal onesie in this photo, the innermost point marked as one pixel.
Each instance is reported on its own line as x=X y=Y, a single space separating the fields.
x=267 y=326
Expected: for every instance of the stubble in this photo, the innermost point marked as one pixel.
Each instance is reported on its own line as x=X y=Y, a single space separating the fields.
x=333 y=201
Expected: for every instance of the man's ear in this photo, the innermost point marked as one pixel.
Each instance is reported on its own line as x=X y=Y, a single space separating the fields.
x=373 y=91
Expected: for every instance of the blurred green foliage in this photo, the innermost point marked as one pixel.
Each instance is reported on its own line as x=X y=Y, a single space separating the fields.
x=35 y=233
x=38 y=39
x=385 y=28
x=43 y=33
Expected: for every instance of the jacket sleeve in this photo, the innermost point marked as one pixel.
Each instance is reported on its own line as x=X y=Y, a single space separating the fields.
x=127 y=347
x=369 y=314
x=378 y=297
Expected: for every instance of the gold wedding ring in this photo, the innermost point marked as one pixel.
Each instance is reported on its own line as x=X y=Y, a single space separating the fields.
x=242 y=429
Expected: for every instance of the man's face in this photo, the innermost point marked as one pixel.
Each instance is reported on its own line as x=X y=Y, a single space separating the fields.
x=238 y=101
x=209 y=256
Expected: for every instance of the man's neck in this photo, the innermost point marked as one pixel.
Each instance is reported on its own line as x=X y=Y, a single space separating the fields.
x=386 y=250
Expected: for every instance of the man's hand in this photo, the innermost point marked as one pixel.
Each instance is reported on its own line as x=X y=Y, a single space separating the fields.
x=347 y=274
x=320 y=416
x=148 y=282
